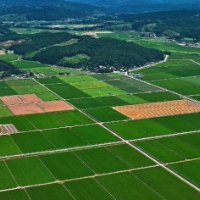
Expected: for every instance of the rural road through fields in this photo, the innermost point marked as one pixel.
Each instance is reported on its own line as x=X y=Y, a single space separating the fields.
x=121 y=141
x=132 y=145
x=150 y=65
x=90 y=146
x=166 y=90
x=195 y=62
x=153 y=159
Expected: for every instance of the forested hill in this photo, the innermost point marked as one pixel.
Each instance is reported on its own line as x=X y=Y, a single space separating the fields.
x=35 y=3
x=180 y=24
x=138 y=6
x=46 y=10
x=84 y=51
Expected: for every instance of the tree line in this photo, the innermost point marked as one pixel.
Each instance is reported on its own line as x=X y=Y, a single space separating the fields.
x=7 y=69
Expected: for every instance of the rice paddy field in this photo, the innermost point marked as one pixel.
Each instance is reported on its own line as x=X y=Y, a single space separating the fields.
x=36 y=67
x=95 y=152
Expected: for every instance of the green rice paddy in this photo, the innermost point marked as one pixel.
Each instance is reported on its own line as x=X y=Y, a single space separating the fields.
x=79 y=154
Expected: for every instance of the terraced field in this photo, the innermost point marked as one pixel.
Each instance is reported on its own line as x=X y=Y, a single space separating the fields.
x=93 y=151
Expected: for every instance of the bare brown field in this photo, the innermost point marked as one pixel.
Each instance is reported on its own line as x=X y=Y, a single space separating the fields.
x=30 y=98
x=32 y=104
x=25 y=109
x=11 y=100
x=53 y=106
x=19 y=99
x=150 y=110
x=89 y=33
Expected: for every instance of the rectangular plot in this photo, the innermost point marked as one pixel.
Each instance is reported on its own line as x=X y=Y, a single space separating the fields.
x=6 y=178
x=21 y=82
x=151 y=127
x=29 y=98
x=105 y=114
x=112 y=101
x=32 y=142
x=196 y=98
x=192 y=119
x=53 y=80
x=66 y=166
x=20 y=122
x=157 y=76
x=86 y=103
x=126 y=130
x=8 y=146
x=24 y=64
x=53 y=106
x=9 y=100
x=159 y=151
x=64 y=138
x=7 y=92
x=87 y=189
x=29 y=171
x=15 y=194
x=74 y=79
x=4 y=111
x=101 y=92
x=176 y=123
x=131 y=156
x=49 y=192
x=71 y=118
x=158 y=96
x=99 y=84
x=192 y=140
x=48 y=96
x=88 y=85
x=82 y=85
x=140 y=85
x=179 y=86
x=44 y=121
x=131 y=99
x=67 y=91
x=123 y=86
x=33 y=89
x=25 y=109
x=169 y=187
x=189 y=170
x=95 y=134
x=158 y=109
x=3 y=84
x=101 y=160
x=181 y=148
x=125 y=186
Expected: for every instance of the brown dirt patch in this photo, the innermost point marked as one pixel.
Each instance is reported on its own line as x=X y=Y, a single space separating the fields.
x=11 y=100
x=30 y=98
x=149 y=110
x=7 y=129
x=32 y=104
x=90 y=33
x=52 y=106
x=24 y=109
